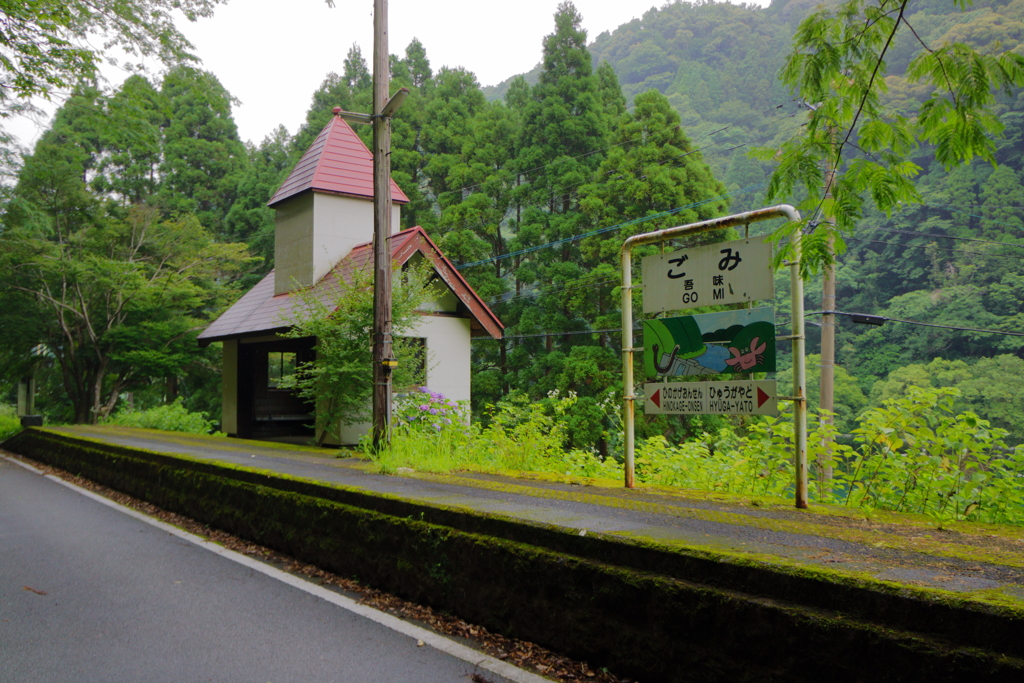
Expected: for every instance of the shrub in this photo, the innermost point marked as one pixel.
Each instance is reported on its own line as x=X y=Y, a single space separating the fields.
x=919 y=455
x=9 y=422
x=432 y=433
x=171 y=417
x=913 y=454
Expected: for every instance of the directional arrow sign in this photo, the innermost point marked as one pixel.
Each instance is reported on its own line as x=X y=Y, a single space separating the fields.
x=740 y=397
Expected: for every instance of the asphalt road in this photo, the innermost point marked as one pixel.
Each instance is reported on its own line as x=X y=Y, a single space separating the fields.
x=89 y=593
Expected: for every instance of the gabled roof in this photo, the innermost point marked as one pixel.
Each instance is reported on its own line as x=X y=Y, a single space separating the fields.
x=260 y=312
x=336 y=163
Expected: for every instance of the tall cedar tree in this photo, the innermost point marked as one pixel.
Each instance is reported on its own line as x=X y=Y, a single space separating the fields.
x=563 y=137
x=651 y=168
x=408 y=158
x=129 y=169
x=203 y=156
x=114 y=297
x=250 y=220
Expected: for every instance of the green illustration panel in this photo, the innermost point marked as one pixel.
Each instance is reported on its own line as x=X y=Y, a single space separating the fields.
x=710 y=344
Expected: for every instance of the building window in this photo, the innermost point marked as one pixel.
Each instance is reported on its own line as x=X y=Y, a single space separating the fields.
x=280 y=366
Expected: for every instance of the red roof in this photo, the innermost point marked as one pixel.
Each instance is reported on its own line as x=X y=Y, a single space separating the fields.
x=336 y=163
x=259 y=311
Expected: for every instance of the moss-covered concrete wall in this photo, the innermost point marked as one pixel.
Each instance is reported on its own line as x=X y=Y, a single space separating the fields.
x=647 y=612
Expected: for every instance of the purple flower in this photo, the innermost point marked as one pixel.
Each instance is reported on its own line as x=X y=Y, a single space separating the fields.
x=434 y=411
x=424 y=407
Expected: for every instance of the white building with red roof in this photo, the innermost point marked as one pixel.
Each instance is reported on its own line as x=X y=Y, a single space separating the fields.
x=323 y=231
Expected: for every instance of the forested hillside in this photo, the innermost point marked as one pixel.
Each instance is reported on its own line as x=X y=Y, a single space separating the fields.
x=954 y=260
x=140 y=215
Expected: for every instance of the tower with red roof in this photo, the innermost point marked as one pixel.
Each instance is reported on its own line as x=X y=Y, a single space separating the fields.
x=323 y=231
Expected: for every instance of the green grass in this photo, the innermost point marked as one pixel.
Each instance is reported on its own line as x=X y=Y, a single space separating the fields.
x=9 y=422
x=914 y=455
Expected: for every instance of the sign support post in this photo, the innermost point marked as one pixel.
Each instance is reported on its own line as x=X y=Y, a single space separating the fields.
x=797 y=337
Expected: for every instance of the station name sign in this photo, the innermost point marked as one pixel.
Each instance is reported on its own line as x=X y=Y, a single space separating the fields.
x=723 y=273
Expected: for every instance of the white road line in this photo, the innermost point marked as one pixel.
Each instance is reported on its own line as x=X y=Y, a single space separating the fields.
x=435 y=640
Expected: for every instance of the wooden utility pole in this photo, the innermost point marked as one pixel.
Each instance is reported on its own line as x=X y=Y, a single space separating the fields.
x=382 y=349
x=383 y=109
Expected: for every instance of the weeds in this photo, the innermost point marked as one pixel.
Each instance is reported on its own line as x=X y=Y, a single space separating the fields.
x=913 y=454
x=171 y=417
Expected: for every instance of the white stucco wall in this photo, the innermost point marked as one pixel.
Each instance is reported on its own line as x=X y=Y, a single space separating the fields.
x=448 y=354
x=341 y=223
x=448 y=367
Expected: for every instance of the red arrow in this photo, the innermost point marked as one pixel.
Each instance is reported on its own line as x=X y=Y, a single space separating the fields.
x=761 y=397
x=656 y=399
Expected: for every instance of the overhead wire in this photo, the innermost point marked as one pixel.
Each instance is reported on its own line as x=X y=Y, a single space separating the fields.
x=552 y=334
x=924 y=324
x=617 y=226
x=511 y=174
x=989 y=220
x=573 y=285
x=925 y=246
x=972 y=206
x=663 y=214
x=947 y=237
x=674 y=163
x=614 y=330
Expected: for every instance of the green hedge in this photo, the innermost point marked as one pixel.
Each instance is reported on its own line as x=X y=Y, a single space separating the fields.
x=683 y=616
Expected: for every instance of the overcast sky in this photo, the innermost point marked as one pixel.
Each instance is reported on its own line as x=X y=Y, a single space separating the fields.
x=272 y=54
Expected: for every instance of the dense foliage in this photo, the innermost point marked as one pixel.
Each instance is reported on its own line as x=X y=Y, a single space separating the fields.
x=913 y=454
x=9 y=422
x=47 y=45
x=170 y=417
x=339 y=381
x=109 y=272
x=530 y=188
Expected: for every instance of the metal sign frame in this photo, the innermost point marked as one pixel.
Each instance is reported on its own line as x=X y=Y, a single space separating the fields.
x=799 y=397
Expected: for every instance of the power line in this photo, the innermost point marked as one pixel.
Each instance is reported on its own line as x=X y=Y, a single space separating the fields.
x=669 y=163
x=550 y=290
x=816 y=312
x=613 y=330
x=923 y=324
x=510 y=174
x=981 y=218
x=918 y=246
x=551 y=334
x=567 y=240
x=857 y=239
x=948 y=237
x=972 y=206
